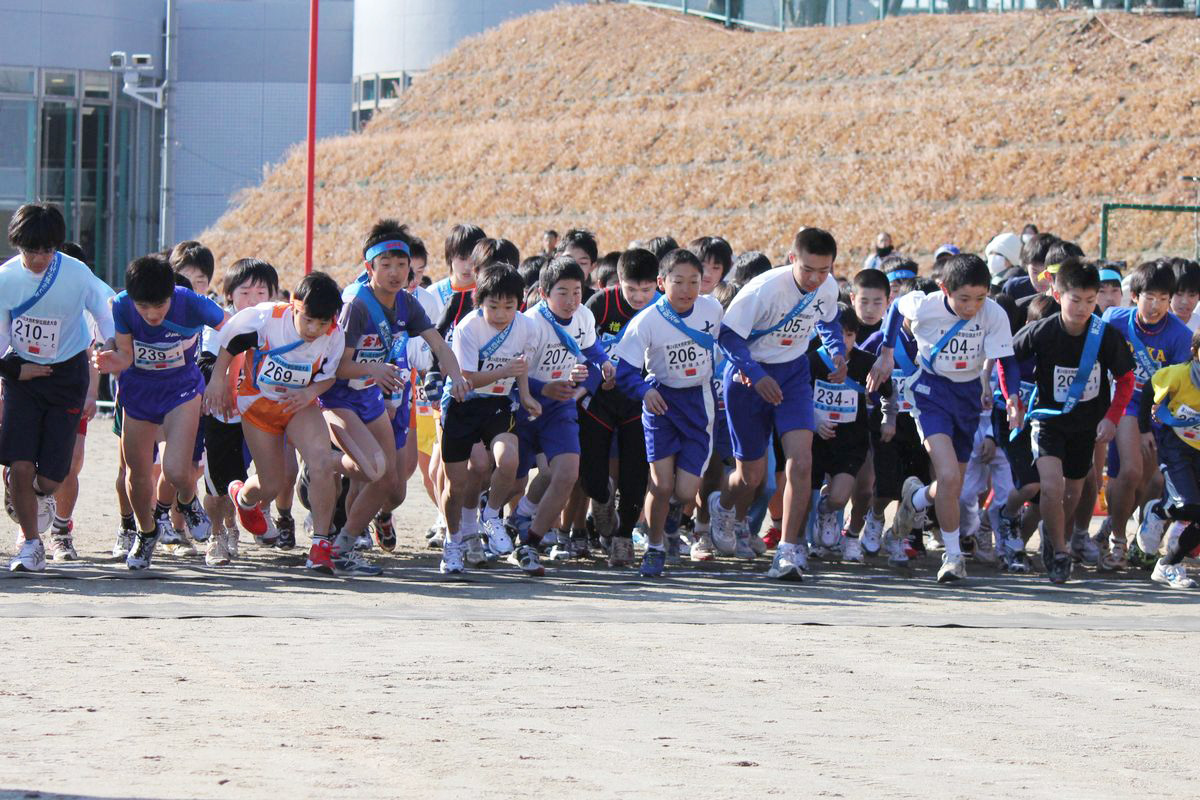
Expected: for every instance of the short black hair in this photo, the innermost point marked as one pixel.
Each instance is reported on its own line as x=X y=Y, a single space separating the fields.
x=561 y=268
x=926 y=285
x=191 y=253
x=676 y=257
x=37 y=226
x=850 y=321
x=871 y=279
x=550 y=232
x=417 y=249
x=1034 y=251
x=815 y=242
x=637 y=265
x=1060 y=251
x=1152 y=276
x=461 y=241
x=150 y=280
x=609 y=259
x=965 y=269
x=184 y=281
x=1040 y=307
x=582 y=239
x=73 y=250
x=1187 y=275
x=713 y=248
x=1075 y=273
x=724 y=292
x=490 y=251
x=320 y=295
x=1029 y=228
x=250 y=270
x=498 y=281
x=748 y=266
x=387 y=230
x=897 y=263
x=604 y=276
x=661 y=245
x=531 y=269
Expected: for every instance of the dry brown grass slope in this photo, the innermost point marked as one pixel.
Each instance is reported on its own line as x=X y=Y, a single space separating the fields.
x=636 y=123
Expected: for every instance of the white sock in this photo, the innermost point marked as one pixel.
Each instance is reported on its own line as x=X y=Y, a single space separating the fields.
x=921 y=499
x=871 y=513
x=469 y=520
x=950 y=541
x=526 y=507
x=490 y=513
x=658 y=547
x=456 y=537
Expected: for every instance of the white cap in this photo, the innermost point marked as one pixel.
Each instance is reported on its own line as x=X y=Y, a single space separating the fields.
x=1007 y=245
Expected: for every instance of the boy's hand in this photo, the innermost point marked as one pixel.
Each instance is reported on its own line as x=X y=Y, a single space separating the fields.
x=886 y=431
x=607 y=371
x=769 y=390
x=106 y=360
x=1149 y=446
x=987 y=449
x=387 y=376
x=827 y=429
x=839 y=370
x=1016 y=414
x=579 y=373
x=559 y=390
x=1105 y=431
x=294 y=401
x=216 y=398
x=654 y=403
x=532 y=407
x=89 y=406
x=988 y=399
x=515 y=369
x=881 y=370
x=29 y=371
x=459 y=389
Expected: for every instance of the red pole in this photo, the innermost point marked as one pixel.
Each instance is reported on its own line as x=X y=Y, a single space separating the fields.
x=312 y=136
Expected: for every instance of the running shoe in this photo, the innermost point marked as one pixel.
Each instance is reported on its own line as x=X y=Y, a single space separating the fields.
x=363 y=542
x=828 y=531
x=578 y=544
x=526 y=558
x=62 y=547
x=168 y=536
x=452 y=558
x=741 y=535
x=702 y=548
x=872 y=535
x=252 y=519
x=1150 y=532
x=1013 y=557
x=653 y=563
x=773 y=537
x=674 y=517
x=198 y=523
x=967 y=545
x=758 y=545
x=1172 y=575
x=352 y=564
x=605 y=514
x=215 y=553
x=641 y=536
x=674 y=545
x=31 y=557
x=1084 y=548
x=852 y=550
x=519 y=524
x=287 y=533
x=143 y=549
x=1059 y=568
x=123 y=544
x=897 y=553
x=383 y=531
x=475 y=554
x=721 y=526
x=320 y=557
x=621 y=554
x=954 y=568
x=906 y=515
x=499 y=538
x=182 y=546
x=985 y=547
x=789 y=563
x=1115 y=558
x=233 y=538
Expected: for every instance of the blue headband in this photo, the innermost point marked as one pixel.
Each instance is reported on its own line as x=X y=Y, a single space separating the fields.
x=900 y=275
x=383 y=247
x=1110 y=275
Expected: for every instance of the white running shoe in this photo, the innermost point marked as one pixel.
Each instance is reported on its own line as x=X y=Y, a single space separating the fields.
x=183 y=547
x=526 y=558
x=787 y=563
x=363 y=542
x=872 y=534
x=702 y=548
x=143 y=549
x=62 y=547
x=906 y=513
x=30 y=558
x=1150 y=532
x=954 y=568
x=1084 y=548
x=167 y=535
x=1115 y=558
x=216 y=554
x=232 y=537
x=1173 y=575
x=499 y=541
x=197 y=521
x=605 y=514
x=124 y=543
x=721 y=526
x=452 y=558
x=757 y=544
x=897 y=556
x=852 y=550
x=741 y=541
x=475 y=555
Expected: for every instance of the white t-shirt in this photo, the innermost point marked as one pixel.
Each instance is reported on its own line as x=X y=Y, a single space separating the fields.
x=552 y=360
x=276 y=375
x=420 y=357
x=765 y=301
x=473 y=333
x=670 y=356
x=986 y=335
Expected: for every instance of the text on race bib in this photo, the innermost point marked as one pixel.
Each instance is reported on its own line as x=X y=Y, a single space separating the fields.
x=834 y=403
x=162 y=355
x=555 y=364
x=280 y=375
x=370 y=356
x=904 y=395
x=686 y=359
x=962 y=353
x=794 y=331
x=501 y=386
x=1190 y=432
x=1065 y=376
x=34 y=336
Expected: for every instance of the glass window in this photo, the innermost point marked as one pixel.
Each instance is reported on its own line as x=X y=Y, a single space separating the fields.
x=16 y=81
x=58 y=158
x=97 y=84
x=357 y=90
x=364 y=117
x=18 y=150
x=368 y=90
x=390 y=87
x=6 y=214
x=60 y=84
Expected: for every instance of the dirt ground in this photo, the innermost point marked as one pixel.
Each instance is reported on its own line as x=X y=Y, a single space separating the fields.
x=260 y=681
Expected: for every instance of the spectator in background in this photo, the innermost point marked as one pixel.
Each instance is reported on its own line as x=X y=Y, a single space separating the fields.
x=1003 y=256
x=1033 y=261
x=1028 y=232
x=883 y=249
x=549 y=243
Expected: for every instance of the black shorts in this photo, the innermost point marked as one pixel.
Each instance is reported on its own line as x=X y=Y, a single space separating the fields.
x=844 y=454
x=1073 y=448
x=226 y=458
x=479 y=419
x=41 y=418
x=899 y=459
x=1020 y=457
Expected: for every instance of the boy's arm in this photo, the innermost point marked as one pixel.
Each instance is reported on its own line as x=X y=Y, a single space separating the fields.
x=831 y=335
x=99 y=306
x=738 y=350
x=886 y=361
x=596 y=359
x=630 y=381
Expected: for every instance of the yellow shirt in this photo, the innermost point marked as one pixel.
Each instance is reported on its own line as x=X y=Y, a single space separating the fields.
x=1173 y=385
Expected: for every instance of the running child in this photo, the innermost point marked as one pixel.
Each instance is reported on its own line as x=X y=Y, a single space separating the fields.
x=672 y=344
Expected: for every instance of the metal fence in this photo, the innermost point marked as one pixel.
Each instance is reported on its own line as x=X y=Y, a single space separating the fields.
x=778 y=15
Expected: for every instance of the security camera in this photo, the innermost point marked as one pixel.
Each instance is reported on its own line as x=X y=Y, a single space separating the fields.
x=143 y=61
x=117 y=60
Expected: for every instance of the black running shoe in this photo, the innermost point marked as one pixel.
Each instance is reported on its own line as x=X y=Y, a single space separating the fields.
x=287 y=533
x=1059 y=570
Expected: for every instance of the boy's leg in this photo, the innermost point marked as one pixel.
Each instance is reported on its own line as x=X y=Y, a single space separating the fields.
x=137 y=450
x=658 y=499
x=864 y=489
x=506 y=454
x=1050 y=474
x=944 y=491
x=797 y=491
x=309 y=434
x=367 y=462
x=455 y=495
x=179 y=432
x=1123 y=487
x=378 y=493
x=552 y=492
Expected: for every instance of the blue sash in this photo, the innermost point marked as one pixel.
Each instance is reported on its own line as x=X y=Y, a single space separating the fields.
x=494 y=343
x=1167 y=418
x=699 y=337
x=567 y=340
x=797 y=309
x=1142 y=356
x=444 y=290
x=48 y=279
x=849 y=383
x=395 y=342
x=274 y=351
x=181 y=330
x=903 y=361
x=1091 y=348
x=941 y=345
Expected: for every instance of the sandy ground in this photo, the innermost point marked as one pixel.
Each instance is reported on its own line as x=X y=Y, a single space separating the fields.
x=260 y=681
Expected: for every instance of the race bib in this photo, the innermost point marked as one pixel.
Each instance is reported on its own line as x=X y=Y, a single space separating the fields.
x=501 y=387
x=834 y=403
x=795 y=331
x=1190 y=433
x=279 y=375
x=157 y=356
x=33 y=336
x=555 y=365
x=374 y=356
x=963 y=353
x=686 y=360
x=1026 y=391
x=904 y=395
x=1064 y=377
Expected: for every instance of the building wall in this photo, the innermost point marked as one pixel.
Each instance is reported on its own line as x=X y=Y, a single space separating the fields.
x=78 y=34
x=240 y=99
